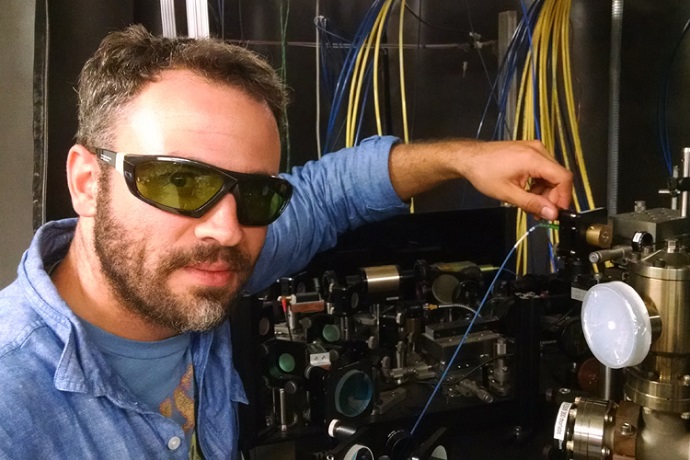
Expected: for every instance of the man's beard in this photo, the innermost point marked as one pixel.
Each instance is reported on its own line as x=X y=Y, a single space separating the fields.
x=141 y=283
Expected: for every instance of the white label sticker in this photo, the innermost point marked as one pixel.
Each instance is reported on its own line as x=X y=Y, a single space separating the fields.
x=577 y=293
x=559 y=428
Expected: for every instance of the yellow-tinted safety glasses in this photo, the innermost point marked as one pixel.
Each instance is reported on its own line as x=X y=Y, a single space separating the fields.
x=191 y=188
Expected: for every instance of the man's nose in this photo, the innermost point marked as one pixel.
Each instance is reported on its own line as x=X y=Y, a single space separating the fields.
x=220 y=223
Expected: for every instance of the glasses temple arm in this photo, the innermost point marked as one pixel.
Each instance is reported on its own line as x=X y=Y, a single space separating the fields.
x=114 y=159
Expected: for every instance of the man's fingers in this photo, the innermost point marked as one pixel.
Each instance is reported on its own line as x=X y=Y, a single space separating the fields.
x=537 y=204
x=560 y=183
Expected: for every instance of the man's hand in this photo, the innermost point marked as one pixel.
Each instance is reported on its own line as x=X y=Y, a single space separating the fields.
x=518 y=172
x=521 y=173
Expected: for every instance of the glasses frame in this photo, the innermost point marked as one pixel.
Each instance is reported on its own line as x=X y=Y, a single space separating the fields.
x=126 y=163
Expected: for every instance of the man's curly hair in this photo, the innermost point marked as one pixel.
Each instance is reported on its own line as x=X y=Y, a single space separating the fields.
x=129 y=59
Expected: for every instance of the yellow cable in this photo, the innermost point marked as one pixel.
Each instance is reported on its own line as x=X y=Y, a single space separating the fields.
x=540 y=40
x=377 y=108
x=351 y=104
x=528 y=119
x=547 y=70
x=551 y=107
x=526 y=126
x=358 y=80
x=532 y=74
x=403 y=98
x=403 y=91
x=519 y=127
x=356 y=85
x=555 y=96
x=519 y=107
x=566 y=160
x=351 y=95
x=521 y=223
x=570 y=103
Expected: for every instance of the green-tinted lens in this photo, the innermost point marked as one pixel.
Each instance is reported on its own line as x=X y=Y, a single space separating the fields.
x=286 y=363
x=331 y=333
x=177 y=185
x=259 y=200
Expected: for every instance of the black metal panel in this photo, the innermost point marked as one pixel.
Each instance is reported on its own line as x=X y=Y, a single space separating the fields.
x=591 y=31
x=651 y=30
x=67 y=33
x=75 y=27
x=482 y=236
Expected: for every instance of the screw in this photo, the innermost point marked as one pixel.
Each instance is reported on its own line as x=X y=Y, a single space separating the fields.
x=627 y=429
x=686 y=380
x=685 y=415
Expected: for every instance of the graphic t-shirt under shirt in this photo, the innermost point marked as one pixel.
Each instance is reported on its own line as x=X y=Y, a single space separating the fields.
x=160 y=374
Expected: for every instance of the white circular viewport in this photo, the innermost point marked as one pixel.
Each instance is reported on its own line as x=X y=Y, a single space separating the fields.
x=616 y=324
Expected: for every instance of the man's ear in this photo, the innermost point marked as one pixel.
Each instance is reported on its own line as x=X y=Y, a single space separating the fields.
x=82 y=180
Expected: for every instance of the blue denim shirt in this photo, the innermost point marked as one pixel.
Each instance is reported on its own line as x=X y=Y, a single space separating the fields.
x=58 y=397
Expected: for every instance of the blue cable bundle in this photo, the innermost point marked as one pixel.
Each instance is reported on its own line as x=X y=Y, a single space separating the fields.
x=346 y=73
x=332 y=52
x=515 y=54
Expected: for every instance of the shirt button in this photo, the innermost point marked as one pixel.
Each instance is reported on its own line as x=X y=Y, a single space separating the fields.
x=173 y=443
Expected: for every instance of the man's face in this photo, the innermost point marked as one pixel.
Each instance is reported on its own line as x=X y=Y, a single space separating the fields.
x=179 y=272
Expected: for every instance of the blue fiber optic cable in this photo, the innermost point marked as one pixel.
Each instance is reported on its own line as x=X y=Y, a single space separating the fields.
x=348 y=67
x=662 y=105
x=534 y=76
x=474 y=318
x=515 y=52
x=367 y=78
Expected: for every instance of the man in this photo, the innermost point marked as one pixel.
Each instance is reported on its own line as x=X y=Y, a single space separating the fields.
x=114 y=339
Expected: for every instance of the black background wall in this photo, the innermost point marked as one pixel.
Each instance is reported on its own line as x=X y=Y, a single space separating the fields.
x=442 y=102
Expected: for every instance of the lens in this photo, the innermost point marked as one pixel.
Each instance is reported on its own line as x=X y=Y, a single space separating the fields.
x=259 y=199
x=176 y=185
x=330 y=333
x=353 y=393
x=359 y=452
x=286 y=363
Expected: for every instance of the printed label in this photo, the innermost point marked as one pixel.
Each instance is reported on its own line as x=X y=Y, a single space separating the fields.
x=559 y=428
